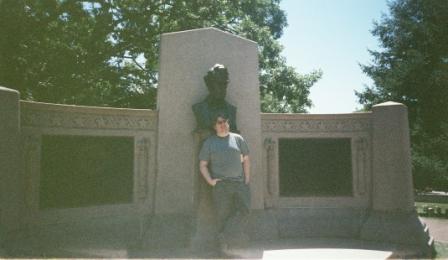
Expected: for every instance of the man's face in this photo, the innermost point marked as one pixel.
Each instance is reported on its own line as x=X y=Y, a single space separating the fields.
x=221 y=126
x=218 y=88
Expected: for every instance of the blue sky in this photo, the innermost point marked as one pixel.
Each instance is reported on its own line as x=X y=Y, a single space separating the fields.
x=334 y=36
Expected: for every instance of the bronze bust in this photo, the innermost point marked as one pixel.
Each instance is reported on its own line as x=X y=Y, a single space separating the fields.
x=216 y=80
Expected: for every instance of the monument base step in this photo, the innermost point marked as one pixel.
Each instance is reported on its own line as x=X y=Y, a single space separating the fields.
x=267 y=249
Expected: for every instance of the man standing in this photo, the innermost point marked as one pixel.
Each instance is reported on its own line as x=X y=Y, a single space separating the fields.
x=224 y=164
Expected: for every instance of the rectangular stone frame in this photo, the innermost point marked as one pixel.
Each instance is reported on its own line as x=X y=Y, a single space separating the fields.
x=355 y=127
x=40 y=119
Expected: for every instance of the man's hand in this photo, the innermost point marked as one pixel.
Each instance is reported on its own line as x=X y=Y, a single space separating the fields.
x=203 y=167
x=247 y=179
x=246 y=169
x=213 y=182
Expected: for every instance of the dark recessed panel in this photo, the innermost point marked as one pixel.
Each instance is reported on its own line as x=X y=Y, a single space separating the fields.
x=315 y=167
x=80 y=171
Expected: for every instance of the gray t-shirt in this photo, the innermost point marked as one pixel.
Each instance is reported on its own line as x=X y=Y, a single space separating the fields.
x=224 y=155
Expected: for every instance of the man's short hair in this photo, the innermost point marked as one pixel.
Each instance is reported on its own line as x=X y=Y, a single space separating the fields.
x=218 y=71
x=218 y=115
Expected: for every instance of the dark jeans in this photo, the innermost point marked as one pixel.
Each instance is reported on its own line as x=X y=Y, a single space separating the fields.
x=232 y=204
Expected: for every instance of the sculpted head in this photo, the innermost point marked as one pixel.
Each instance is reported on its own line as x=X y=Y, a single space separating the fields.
x=216 y=80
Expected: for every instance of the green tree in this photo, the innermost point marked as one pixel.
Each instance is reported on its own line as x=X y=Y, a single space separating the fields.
x=412 y=68
x=105 y=52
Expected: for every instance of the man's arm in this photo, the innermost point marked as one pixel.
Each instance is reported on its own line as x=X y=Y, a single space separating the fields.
x=246 y=168
x=203 y=167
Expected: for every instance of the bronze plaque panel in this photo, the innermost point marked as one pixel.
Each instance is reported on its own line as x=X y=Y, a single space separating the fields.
x=315 y=167
x=80 y=171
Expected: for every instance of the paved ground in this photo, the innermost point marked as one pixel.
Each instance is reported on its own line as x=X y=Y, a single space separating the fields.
x=326 y=253
x=438 y=228
x=294 y=249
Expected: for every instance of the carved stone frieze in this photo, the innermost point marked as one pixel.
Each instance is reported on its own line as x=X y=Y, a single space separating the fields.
x=269 y=145
x=316 y=125
x=361 y=163
x=31 y=148
x=91 y=120
x=142 y=155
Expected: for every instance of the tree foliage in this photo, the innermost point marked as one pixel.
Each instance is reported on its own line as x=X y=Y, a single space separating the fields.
x=412 y=68
x=105 y=52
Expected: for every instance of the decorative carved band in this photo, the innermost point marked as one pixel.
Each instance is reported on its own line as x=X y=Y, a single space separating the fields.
x=32 y=144
x=142 y=154
x=91 y=120
x=269 y=145
x=361 y=163
x=316 y=125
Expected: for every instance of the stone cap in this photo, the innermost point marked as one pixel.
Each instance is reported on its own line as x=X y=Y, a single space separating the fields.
x=8 y=90
x=209 y=29
x=388 y=104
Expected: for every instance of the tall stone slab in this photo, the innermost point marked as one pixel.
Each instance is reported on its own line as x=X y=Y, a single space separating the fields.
x=10 y=181
x=185 y=58
x=392 y=181
x=393 y=217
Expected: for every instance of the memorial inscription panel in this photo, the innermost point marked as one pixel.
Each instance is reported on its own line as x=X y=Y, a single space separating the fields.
x=80 y=171
x=315 y=167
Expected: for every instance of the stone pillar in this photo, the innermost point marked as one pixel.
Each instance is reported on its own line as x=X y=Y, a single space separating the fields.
x=392 y=180
x=392 y=217
x=10 y=200
x=185 y=58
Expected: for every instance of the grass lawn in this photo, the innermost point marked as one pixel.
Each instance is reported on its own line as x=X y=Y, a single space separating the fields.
x=442 y=250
